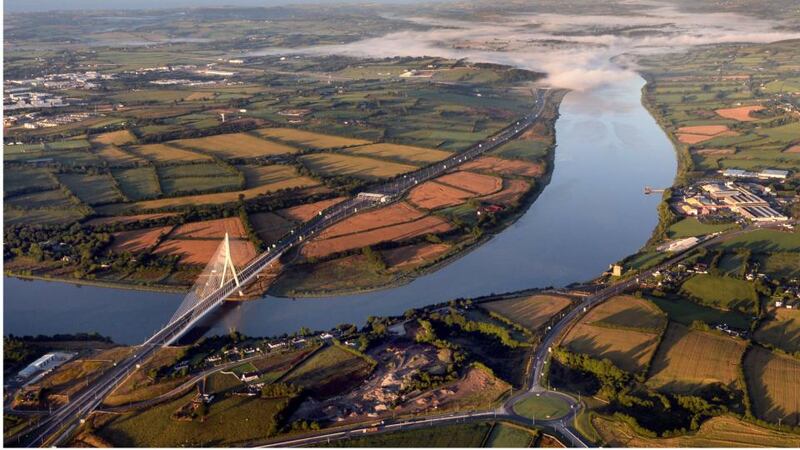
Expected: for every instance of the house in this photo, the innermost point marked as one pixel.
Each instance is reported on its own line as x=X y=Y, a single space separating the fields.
x=274 y=345
x=249 y=376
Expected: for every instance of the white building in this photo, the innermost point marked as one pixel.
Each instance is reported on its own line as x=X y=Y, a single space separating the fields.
x=45 y=363
x=774 y=174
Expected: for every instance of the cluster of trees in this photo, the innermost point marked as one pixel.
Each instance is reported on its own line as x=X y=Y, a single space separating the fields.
x=276 y=390
x=455 y=319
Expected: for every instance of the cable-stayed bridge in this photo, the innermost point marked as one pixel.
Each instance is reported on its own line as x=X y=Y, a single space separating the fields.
x=221 y=279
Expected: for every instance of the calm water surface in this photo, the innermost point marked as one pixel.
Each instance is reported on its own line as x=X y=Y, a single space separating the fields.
x=591 y=214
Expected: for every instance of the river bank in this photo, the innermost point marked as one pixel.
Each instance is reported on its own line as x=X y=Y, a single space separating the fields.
x=591 y=214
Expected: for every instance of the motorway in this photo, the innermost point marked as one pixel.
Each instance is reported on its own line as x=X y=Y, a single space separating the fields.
x=189 y=313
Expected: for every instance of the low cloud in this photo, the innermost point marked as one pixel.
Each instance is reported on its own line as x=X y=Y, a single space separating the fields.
x=560 y=44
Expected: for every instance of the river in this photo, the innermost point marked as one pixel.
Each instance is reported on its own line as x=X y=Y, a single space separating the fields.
x=592 y=213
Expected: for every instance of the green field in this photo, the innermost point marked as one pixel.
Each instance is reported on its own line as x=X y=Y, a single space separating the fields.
x=504 y=435
x=692 y=227
x=685 y=312
x=138 y=183
x=231 y=421
x=93 y=189
x=542 y=407
x=468 y=435
x=763 y=241
x=28 y=178
x=55 y=199
x=722 y=292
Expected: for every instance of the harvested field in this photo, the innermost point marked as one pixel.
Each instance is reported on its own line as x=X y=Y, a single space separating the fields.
x=704 y=130
x=721 y=431
x=530 y=312
x=702 y=133
x=226 y=197
x=504 y=166
x=128 y=219
x=415 y=255
x=164 y=153
x=137 y=240
x=308 y=138
x=773 y=386
x=401 y=153
x=255 y=176
x=199 y=252
x=742 y=113
x=334 y=164
x=237 y=145
x=476 y=183
x=305 y=212
x=781 y=329
x=714 y=151
x=390 y=215
x=689 y=359
x=434 y=195
x=269 y=226
x=323 y=247
x=120 y=137
x=687 y=138
x=793 y=149
x=627 y=311
x=624 y=329
x=210 y=229
x=513 y=191
x=627 y=349
x=115 y=156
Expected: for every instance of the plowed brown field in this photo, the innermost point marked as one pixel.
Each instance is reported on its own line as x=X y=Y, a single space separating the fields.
x=433 y=195
x=305 y=212
x=504 y=166
x=210 y=229
x=199 y=252
x=741 y=113
x=476 y=183
x=391 y=215
x=137 y=240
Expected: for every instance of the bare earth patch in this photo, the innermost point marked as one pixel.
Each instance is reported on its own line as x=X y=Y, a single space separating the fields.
x=714 y=151
x=793 y=149
x=414 y=255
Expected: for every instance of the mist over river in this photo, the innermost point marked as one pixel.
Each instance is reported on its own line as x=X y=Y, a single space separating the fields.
x=591 y=214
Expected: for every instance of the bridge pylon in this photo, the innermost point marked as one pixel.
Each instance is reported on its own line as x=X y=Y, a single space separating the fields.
x=229 y=265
